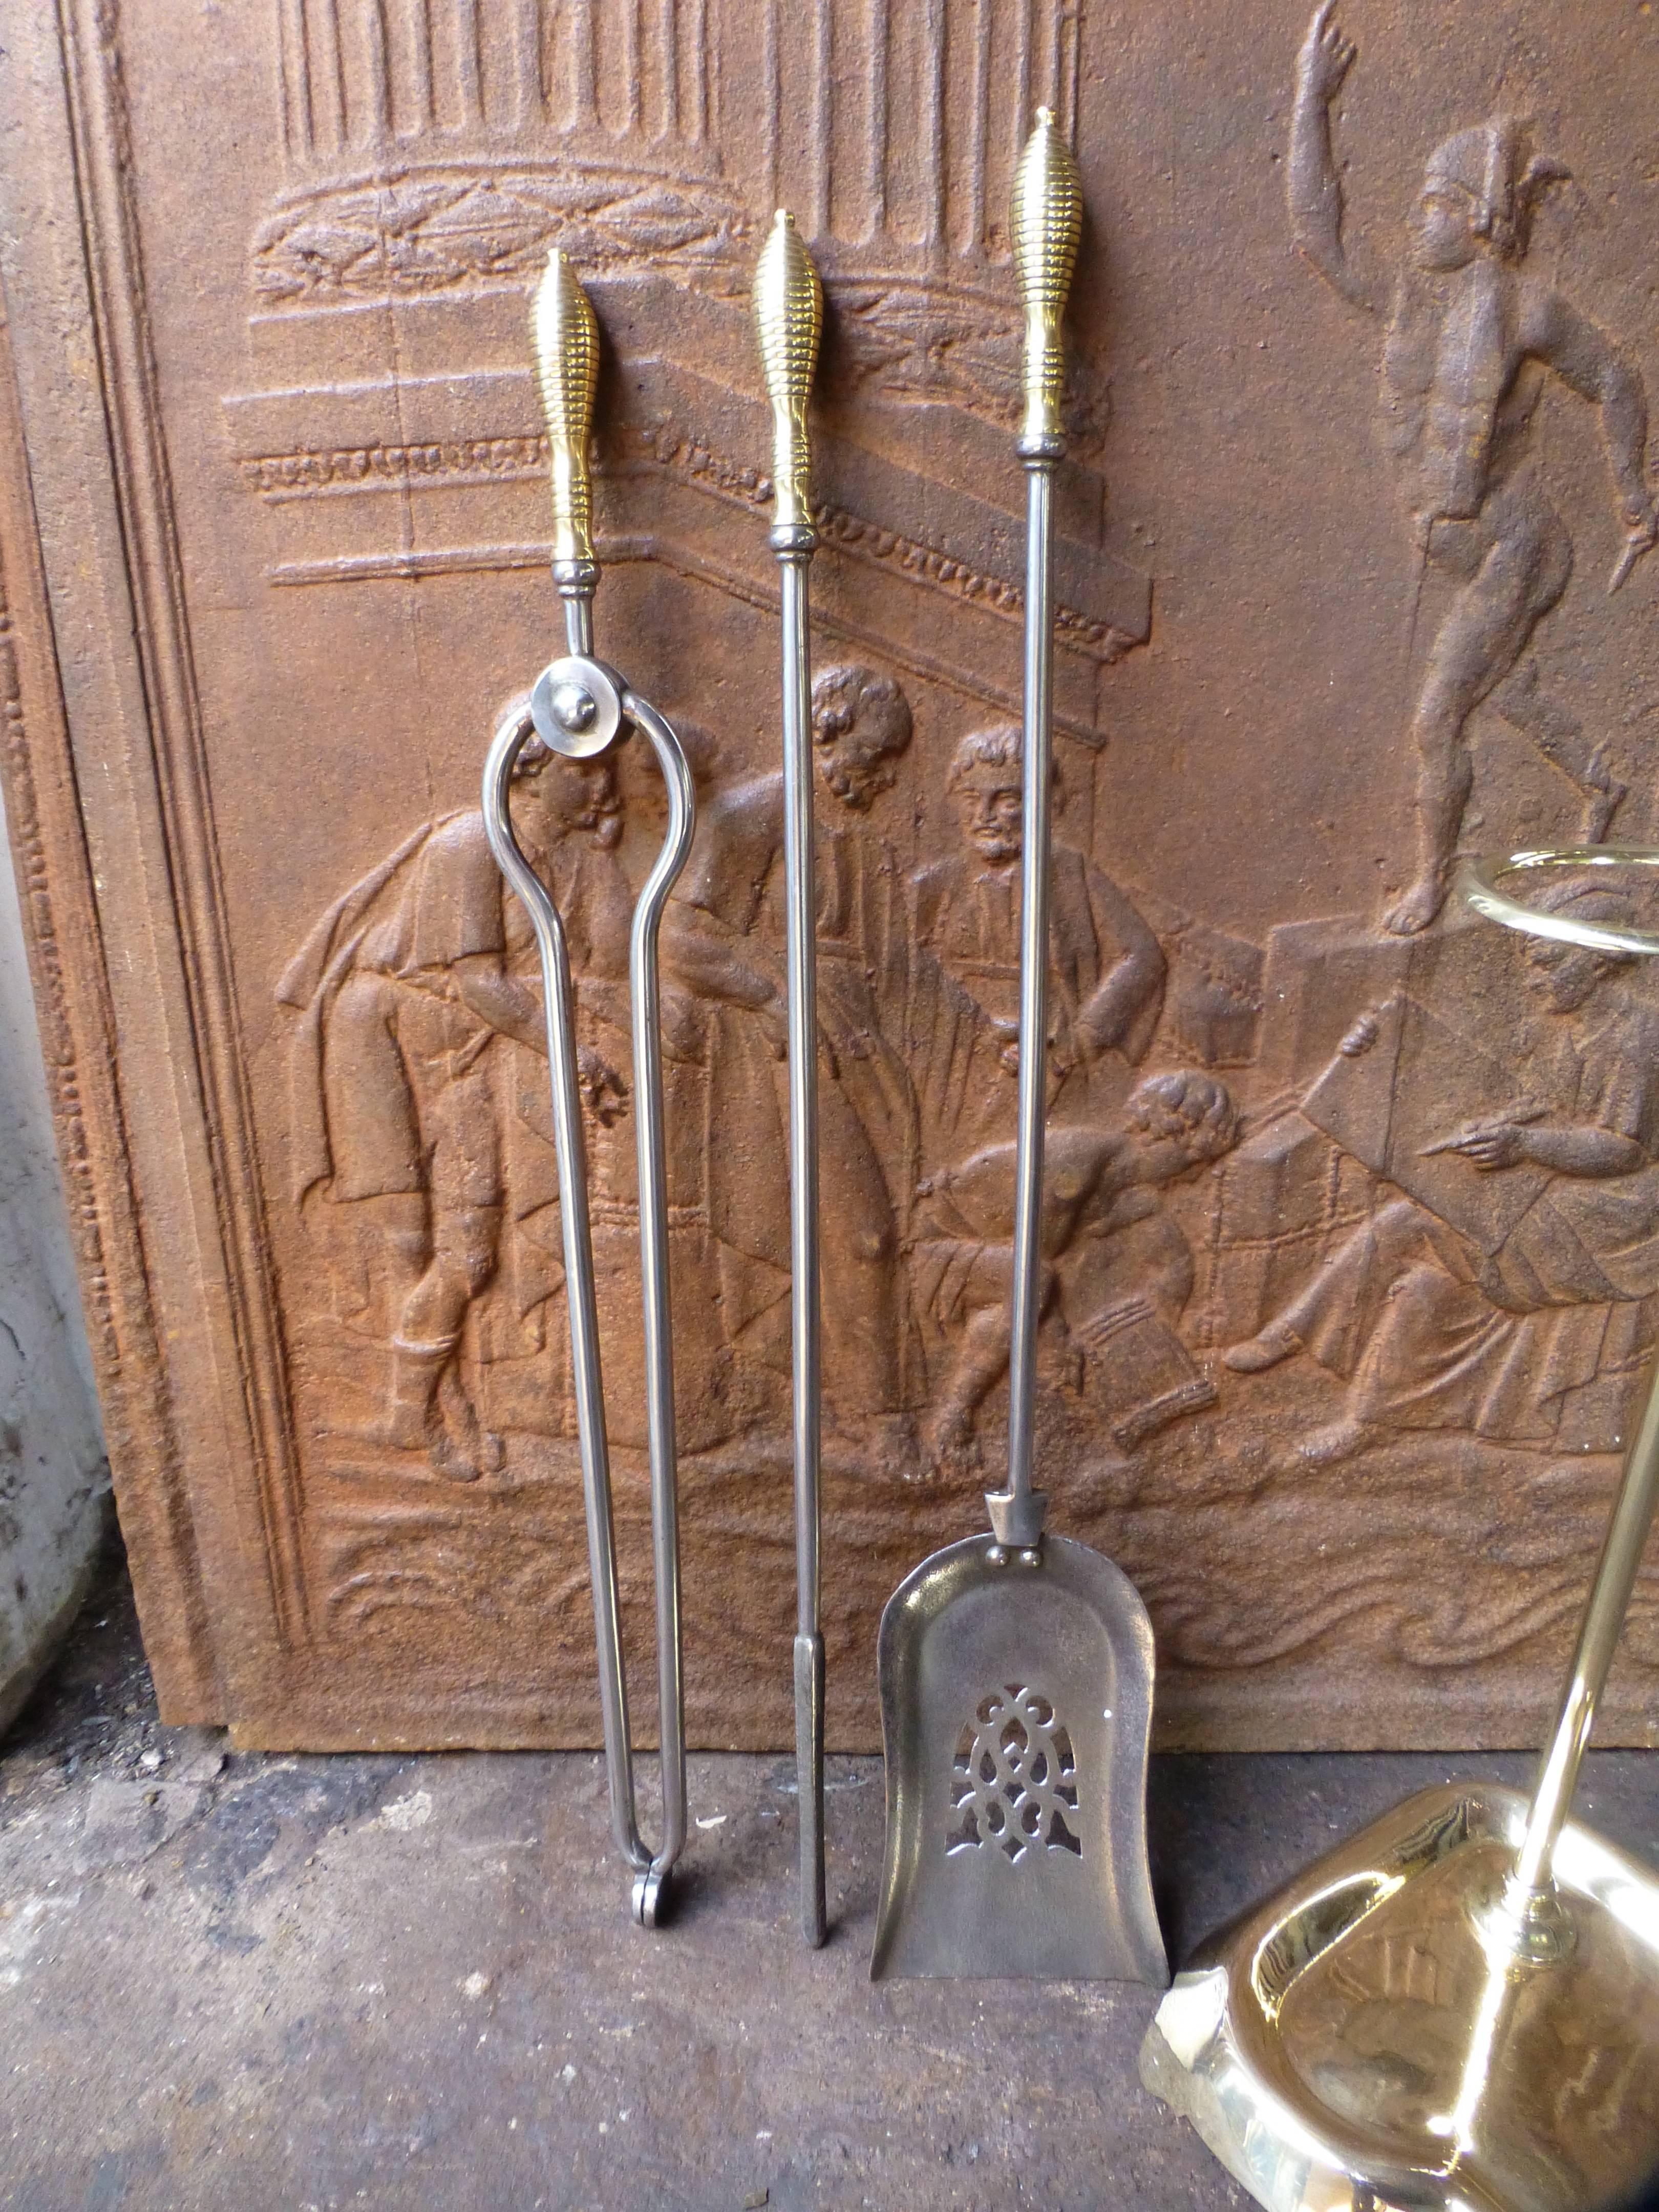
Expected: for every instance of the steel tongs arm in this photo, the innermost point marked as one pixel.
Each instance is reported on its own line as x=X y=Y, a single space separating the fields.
x=645 y=994
x=576 y=1232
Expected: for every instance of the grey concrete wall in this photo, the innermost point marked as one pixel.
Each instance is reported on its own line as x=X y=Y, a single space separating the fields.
x=54 y=1479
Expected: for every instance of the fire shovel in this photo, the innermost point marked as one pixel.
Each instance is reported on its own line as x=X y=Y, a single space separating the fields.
x=1016 y=1668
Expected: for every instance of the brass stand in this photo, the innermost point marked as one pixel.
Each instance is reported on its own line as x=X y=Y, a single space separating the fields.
x=1460 y=2006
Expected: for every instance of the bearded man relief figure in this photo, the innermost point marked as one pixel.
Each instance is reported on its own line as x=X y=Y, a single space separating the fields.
x=715 y=947
x=1471 y=335
x=1108 y=969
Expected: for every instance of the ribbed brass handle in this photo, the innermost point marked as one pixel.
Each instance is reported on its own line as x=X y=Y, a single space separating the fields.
x=567 y=343
x=1048 y=217
x=789 y=321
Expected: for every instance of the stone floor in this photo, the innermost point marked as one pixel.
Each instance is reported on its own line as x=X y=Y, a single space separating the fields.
x=231 y=1980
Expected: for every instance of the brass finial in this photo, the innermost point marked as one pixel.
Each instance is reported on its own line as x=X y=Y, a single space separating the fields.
x=567 y=343
x=1047 y=219
x=788 y=321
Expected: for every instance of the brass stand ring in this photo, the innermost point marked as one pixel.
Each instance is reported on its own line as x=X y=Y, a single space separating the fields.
x=1478 y=882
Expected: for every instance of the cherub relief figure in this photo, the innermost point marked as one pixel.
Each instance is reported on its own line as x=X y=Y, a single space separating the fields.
x=1431 y=1332
x=404 y=986
x=1471 y=335
x=1110 y=1248
x=715 y=946
x=1107 y=971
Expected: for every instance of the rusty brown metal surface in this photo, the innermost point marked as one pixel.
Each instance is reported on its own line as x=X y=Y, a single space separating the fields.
x=1355 y=1213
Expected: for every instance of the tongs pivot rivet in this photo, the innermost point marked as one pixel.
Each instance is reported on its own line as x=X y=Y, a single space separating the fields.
x=573 y=709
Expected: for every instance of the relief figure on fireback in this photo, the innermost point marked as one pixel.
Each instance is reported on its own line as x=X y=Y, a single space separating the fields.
x=1471 y=333
x=1501 y=1279
x=1483 y=1311
x=1117 y=1267
x=1109 y=970
x=409 y=988
x=424 y=1157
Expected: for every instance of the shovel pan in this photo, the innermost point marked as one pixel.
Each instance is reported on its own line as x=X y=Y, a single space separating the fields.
x=1005 y=1711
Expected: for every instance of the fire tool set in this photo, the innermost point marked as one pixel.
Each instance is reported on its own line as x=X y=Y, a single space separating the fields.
x=1422 y=2018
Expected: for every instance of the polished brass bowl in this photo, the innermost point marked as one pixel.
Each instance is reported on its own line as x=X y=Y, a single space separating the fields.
x=1374 y=2038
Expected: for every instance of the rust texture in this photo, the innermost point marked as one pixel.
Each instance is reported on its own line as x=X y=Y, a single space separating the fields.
x=1352 y=1209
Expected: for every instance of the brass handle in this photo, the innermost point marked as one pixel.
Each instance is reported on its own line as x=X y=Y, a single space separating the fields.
x=1047 y=218
x=566 y=342
x=789 y=321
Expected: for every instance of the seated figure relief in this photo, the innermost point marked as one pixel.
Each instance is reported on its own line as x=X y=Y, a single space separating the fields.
x=1486 y=1323
x=723 y=943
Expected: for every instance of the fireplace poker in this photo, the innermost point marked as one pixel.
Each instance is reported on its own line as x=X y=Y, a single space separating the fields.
x=788 y=320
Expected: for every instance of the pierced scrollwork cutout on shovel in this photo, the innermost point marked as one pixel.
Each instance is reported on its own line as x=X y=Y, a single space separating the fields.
x=1013 y=1781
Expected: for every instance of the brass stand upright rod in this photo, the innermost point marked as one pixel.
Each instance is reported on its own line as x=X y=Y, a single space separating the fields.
x=1598 y=1638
